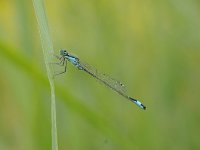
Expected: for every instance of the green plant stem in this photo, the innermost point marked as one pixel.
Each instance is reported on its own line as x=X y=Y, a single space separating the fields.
x=47 y=52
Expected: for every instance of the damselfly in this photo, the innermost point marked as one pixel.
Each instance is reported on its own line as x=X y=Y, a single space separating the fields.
x=103 y=78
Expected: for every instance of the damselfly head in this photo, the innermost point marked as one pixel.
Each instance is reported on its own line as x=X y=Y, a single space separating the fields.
x=63 y=52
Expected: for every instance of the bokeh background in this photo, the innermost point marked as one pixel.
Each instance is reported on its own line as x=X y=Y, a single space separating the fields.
x=153 y=47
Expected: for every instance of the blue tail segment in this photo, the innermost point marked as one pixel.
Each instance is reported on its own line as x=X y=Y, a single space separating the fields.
x=138 y=103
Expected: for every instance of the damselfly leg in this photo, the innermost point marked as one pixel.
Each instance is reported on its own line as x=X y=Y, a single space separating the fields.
x=62 y=62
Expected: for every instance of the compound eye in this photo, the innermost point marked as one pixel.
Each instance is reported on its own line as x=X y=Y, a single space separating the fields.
x=66 y=52
x=63 y=52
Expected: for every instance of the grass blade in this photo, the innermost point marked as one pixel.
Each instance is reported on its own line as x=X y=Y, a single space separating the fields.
x=47 y=52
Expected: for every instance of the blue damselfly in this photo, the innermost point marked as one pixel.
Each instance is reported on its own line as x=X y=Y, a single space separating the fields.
x=103 y=78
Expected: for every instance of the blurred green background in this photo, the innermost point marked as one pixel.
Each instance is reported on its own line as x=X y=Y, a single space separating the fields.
x=153 y=47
